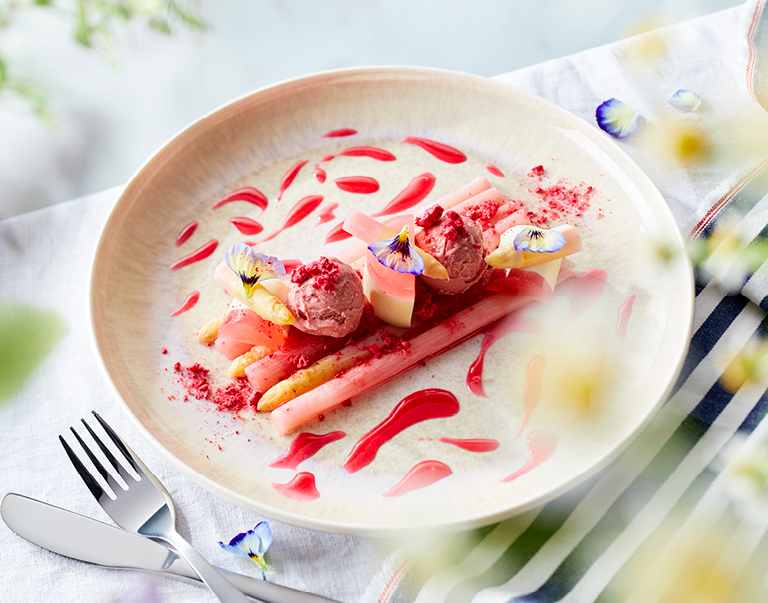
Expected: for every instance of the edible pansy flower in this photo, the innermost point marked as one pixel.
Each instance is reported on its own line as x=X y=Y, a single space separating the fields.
x=252 y=545
x=398 y=253
x=252 y=267
x=685 y=100
x=533 y=238
x=617 y=118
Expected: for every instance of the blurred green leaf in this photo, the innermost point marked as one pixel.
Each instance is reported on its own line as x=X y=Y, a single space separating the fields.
x=188 y=17
x=160 y=25
x=42 y=2
x=27 y=336
x=3 y=73
x=82 y=30
x=37 y=98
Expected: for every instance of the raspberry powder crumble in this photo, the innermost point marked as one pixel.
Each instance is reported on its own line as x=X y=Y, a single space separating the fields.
x=323 y=270
x=430 y=216
x=453 y=226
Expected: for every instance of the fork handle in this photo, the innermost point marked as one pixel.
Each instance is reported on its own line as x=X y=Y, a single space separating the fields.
x=213 y=579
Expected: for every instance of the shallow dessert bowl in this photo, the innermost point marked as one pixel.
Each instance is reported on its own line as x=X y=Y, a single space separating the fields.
x=253 y=141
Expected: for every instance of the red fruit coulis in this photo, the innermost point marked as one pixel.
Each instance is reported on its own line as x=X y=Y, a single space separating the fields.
x=421 y=475
x=290 y=265
x=188 y=303
x=372 y=152
x=301 y=210
x=337 y=233
x=246 y=226
x=301 y=487
x=289 y=177
x=363 y=185
x=198 y=254
x=532 y=389
x=541 y=445
x=516 y=322
x=437 y=149
x=494 y=170
x=185 y=233
x=419 y=406
x=319 y=174
x=341 y=132
x=472 y=444
x=411 y=195
x=327 y=214
x=248 y=194
x=624 y=313
x=304 y=446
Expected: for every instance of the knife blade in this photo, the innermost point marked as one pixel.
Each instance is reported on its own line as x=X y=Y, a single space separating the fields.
x=92 y=541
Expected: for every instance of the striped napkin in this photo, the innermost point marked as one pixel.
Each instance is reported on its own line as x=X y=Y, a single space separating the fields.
x=681 y=515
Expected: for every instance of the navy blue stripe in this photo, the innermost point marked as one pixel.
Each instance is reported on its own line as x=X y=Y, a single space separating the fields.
x=709 y=333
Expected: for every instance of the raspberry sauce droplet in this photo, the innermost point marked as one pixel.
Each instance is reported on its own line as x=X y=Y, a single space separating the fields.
x=185 y=233
x=421 y=475
x=289 y=177
x=437 y=149
x=246 y=226
x=363 y=185
x=188 y=303
x=198 y=254
x=341 y=132
x=304 y=446
x=411 y=195
x=301 y=487
x=247 y=194
x=541 y=445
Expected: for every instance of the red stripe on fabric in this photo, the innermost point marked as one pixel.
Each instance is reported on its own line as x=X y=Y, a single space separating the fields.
x=724 y=200
x=393 y=581
x=752 y=50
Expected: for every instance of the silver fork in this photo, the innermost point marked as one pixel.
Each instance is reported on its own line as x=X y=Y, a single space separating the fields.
x=145 y=507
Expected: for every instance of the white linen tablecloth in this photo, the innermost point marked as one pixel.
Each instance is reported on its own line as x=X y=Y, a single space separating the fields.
x=581 y=548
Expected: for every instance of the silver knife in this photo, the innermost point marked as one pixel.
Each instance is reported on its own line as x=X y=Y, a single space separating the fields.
x=92 y=541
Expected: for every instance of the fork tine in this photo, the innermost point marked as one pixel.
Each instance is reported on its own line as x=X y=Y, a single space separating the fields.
x=118 y=442
x=107 y=453
x=96 y=463
x=89 y=480
x=108 y=476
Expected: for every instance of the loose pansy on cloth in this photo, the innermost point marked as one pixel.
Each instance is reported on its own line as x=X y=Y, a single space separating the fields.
x=252 y=545
x=685 y=100
x=617 y=118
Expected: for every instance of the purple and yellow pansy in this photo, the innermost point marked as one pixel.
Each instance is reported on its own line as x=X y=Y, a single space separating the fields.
x=533 y=238
x=398 y=253
x=252 y=545
x=252 y=267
